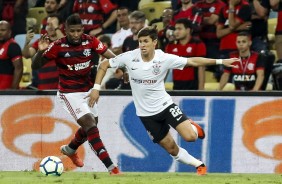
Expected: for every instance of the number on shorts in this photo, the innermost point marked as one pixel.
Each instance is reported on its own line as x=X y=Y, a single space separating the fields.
x=175 y=111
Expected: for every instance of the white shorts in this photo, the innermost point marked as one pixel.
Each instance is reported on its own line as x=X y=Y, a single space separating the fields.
x=76 y=105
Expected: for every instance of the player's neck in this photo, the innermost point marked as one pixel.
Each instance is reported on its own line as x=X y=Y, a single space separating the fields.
x=185 y=40
x=148 y=57
x=245 y=54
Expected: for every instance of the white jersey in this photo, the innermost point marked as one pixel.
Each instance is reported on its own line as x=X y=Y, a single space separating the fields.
x=119 y=37
x=147 y=79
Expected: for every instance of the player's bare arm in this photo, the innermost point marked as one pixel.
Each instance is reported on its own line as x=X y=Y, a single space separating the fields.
x=200 y=61
x=94 y=95
x=37 y=60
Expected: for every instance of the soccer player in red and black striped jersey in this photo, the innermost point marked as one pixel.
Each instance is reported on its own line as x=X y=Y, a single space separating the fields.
x=190 y=78
x=11 y=64
x=75 y=56
x=249 y=71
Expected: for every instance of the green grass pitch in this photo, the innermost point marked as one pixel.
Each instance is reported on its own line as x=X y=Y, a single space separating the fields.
x=28 y=177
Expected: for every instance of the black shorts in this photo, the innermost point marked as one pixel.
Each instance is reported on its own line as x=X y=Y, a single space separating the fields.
x=157 y=126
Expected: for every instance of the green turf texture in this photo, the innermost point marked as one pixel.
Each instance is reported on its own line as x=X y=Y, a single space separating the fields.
x=33 y=177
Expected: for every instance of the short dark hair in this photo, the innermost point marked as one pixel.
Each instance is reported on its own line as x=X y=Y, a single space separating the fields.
x=105 y=39
x=73 y=19
x=57 y=16
x=138 y=15
x=244 y=33
x=150 y=31
x=187 y=23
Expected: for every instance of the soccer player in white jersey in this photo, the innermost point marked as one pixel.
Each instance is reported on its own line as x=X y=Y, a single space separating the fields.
x=147 y=69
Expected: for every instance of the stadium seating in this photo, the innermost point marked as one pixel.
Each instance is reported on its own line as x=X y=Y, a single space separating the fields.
x=20 y=39
x=39 y=14
x=154 y=10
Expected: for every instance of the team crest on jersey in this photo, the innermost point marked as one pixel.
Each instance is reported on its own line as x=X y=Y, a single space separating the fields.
x=189 y=49
x=87 y=52
x=212 y=9
x=90 y=9
x=156 y=69
x=251 y=66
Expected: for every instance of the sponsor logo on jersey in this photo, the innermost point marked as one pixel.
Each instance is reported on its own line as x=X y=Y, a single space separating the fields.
x=244 y=78
x=136 y=60
x=145 y=82
x=100 y=46
x=64 y=45
x=79 y=66
x=67 y=54
x=85 y=43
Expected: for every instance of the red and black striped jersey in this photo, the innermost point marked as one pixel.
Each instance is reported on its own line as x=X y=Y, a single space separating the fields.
x=92 y=12
x=208 y=32
x=243 y=13
x=244 y=73
x=75 y=62
x=194 y=48
x=47 y=75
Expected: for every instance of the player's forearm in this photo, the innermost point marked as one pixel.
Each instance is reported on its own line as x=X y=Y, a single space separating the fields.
x=102 y=69
x=17 y=77
x=37 y=60
x=259 y=81
x=223 y=81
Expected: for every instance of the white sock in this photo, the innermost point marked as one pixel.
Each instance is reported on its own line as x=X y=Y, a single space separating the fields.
x=184 y=157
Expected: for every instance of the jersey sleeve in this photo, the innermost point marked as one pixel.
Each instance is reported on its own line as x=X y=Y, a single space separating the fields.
x=98 y=46
x=14 y=51
x=118 y=61
x=175 y=62
x=51 y=52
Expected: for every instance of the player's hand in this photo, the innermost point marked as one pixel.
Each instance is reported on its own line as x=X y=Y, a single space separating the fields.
x=93 y=97
x=125 y=77
x=43 y=43
x=230 y=62
x=29 y=36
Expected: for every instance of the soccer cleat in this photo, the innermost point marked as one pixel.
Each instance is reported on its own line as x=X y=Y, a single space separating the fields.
x=201 y=132
x=74 y=157
x=201 y=170
x=115 y=171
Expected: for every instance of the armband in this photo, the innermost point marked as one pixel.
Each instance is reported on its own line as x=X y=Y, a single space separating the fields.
x=97 y=87
x=219 y=61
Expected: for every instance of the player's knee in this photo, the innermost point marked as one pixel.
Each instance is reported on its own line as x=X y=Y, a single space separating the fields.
x=190 y=137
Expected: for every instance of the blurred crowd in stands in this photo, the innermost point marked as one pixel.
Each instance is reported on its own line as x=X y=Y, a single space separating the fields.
x=247 y=29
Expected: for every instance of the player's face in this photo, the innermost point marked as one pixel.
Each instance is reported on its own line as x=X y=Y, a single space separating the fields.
x=147 y=45
x=74 y=33
x=243 y=43
x=181 y=32
x=136 y=25
x=51 y=6
x=122 y=17
x=5 y=32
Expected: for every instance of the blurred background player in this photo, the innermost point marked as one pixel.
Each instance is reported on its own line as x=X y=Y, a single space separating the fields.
x=46 y=77
x=125 y=31
x=11 y=64
x=190 y=78
x=93 y=13
x=249 y=72
x=75 y=54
